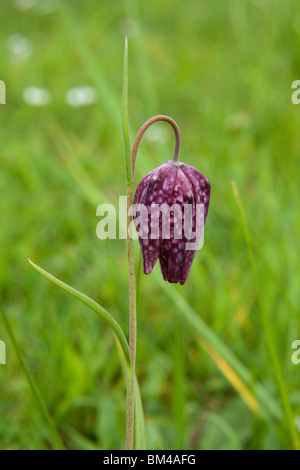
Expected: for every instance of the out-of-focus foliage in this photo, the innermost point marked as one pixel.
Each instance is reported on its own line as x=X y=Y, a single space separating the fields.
x=223 y=71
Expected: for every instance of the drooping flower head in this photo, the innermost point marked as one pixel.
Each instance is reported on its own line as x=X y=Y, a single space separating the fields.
x=175 y=199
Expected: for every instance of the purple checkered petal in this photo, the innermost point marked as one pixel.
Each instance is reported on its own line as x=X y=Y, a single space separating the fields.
x=200 y=185
x=170 y=184
x=153 y=189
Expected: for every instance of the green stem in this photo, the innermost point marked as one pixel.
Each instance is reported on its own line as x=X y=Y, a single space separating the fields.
x=130 y=166
x=120 y=337
x=132 y=328
x=130 y=260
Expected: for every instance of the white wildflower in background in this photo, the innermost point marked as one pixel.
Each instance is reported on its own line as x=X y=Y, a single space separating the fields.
x=24 y=5
x=262 y=4
x=45 y=7
x=36 y=96
x=20 y=48
x=81 y=96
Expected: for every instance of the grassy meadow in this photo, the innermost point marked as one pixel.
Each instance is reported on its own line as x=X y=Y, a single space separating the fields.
x=213 y=356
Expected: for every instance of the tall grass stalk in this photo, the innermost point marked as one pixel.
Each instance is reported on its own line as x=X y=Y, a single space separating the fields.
x=128 y=348
x=130 y=258
x=38 y=397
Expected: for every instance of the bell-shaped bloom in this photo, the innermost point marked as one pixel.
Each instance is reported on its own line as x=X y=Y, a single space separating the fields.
x=175 y=198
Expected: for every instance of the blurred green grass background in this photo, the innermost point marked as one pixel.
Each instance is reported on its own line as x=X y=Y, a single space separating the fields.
x=223 y=71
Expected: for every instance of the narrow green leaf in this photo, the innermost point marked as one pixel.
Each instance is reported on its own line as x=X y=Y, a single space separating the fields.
x=140 y=433
x=93 y=305
x=224 y=427
x=266 y=325
x=125 y=118
x=33 y=386
x=204 y=331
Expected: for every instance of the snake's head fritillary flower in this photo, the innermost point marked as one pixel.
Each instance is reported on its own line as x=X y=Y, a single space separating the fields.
x=171 y=189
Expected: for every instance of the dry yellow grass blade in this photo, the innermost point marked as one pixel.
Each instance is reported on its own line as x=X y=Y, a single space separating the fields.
x=233 y=378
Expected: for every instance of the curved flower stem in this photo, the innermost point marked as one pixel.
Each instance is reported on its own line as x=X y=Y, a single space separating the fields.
x=130 y=166
x=130 y=159
x=143 y=129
